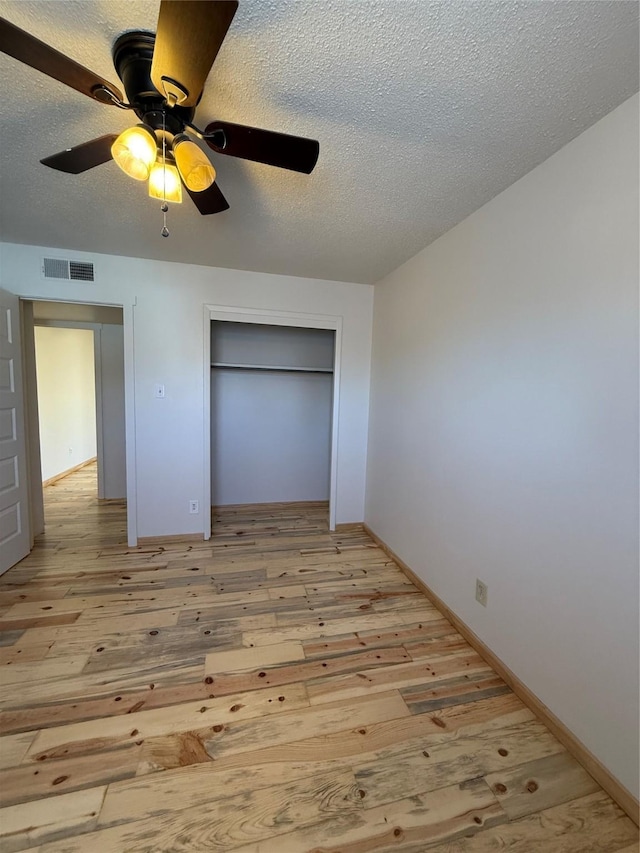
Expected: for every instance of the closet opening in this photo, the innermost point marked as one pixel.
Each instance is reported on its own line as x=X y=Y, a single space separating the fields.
x=272 y=414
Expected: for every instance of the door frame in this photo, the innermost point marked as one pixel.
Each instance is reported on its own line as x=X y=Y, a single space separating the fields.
x=128 y=314
x=237 y=314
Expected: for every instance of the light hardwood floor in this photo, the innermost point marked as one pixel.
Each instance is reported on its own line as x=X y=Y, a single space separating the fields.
x=278 y=688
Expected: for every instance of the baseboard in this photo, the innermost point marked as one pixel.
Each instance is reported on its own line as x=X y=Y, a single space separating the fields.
x=174 y=537
x=274 y=506
x=349 y=527
x=66 y=473
x=584 y=756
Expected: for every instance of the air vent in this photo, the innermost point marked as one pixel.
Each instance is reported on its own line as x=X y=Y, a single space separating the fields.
x=80 y=271
x=67 y=270
x=55 y=268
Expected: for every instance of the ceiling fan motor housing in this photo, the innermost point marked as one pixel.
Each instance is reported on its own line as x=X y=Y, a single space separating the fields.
x=132 y=57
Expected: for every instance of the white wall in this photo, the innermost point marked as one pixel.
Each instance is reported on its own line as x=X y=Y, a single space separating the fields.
x=66 y=398
x=164 y=343
x=503 y=437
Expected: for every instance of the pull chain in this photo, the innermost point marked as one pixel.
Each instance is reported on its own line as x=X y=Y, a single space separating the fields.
x=164 y=207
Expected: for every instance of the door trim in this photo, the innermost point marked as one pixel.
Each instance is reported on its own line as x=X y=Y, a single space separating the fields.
x=128 y=317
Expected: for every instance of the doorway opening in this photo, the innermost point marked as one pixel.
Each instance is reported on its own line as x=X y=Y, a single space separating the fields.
x=74 y=371
x=66 y=386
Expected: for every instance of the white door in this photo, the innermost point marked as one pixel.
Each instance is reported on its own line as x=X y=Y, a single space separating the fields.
x=14 y=498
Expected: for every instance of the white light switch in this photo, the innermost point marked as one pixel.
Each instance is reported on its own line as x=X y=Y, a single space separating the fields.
x=160 y=391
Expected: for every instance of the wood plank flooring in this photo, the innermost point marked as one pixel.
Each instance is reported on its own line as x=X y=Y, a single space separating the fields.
x=278 y=689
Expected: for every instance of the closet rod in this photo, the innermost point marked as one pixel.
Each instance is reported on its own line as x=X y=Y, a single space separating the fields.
x=278 y=367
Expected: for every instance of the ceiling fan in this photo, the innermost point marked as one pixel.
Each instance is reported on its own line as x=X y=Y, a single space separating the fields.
x=163 y=77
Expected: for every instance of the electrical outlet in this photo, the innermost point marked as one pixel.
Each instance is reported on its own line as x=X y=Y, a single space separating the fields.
x=159 y=390
x=71 y=451
x=194 y=507
x=482 y=592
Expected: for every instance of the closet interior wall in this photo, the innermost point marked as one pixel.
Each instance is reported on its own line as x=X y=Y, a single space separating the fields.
x=271 y=412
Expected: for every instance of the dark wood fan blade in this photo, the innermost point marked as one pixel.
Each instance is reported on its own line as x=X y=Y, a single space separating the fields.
x=265 y=146
x=35 y=53
x=82 y=157
x=209 y=201
x=189 y=36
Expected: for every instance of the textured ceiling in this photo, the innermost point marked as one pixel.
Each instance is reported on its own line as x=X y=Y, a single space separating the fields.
x=424 y=111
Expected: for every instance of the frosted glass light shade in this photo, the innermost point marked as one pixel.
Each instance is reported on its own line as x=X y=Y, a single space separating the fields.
x=193 y=164
x=135 y=151
x=164 y=182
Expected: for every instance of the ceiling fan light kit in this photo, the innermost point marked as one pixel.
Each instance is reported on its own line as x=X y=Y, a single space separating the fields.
x=135 y=151
x=163 y=77
x=193 y=164
x=164 y=182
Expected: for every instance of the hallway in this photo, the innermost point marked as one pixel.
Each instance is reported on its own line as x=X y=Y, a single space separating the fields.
x=73 y=512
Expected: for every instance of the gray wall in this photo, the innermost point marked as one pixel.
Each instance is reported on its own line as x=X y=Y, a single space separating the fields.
x=270 y=430
x=112 y=470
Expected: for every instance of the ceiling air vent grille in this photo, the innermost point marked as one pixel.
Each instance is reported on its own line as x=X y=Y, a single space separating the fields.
x=80 y=271
x=68 y=270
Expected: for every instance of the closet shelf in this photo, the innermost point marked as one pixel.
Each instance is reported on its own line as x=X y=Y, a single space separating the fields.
x=282 y=368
